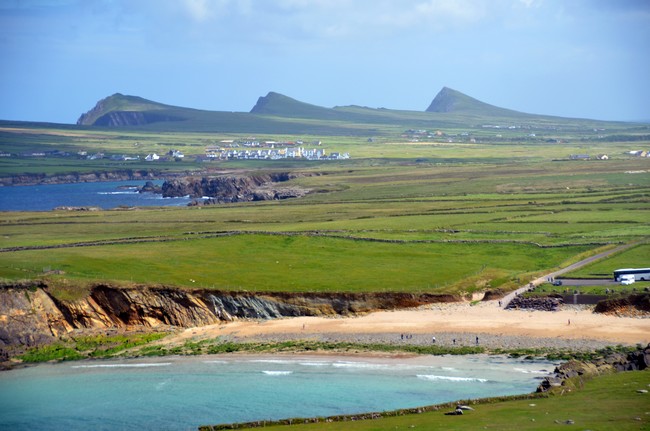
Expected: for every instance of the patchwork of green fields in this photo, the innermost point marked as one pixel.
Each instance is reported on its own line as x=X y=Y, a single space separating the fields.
x=395 y=229
x=451 y=217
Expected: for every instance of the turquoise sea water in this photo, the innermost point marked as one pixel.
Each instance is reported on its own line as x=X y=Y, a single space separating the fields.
x=105 y=195
x=181 y=393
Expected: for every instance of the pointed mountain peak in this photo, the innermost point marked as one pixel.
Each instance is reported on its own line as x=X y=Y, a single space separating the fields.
x=450 y=100
x=117 y=103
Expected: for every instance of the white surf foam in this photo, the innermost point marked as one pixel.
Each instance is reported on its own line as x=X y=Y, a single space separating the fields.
x=273 y=361
x=277 y=373
x=155 y=364
x=434 y=377
x=315 y=364
x=124 y=192
x=525 y=371
x=365 y=365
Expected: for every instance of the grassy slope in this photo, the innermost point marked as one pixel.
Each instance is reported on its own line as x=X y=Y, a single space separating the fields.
x=606 y=403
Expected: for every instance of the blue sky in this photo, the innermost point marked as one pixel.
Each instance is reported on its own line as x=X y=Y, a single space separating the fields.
x=577 y=58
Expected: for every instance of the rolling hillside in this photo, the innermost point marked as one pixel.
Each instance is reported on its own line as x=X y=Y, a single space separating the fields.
x=277 y=113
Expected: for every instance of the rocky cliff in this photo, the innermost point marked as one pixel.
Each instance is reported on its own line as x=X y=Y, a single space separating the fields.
x=227 y=189
x=606 y=364
x=76 y=177
x=31 y=315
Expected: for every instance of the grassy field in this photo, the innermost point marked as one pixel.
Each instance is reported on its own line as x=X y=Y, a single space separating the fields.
x=605 y=403
x=637 y=257
x=435 y=216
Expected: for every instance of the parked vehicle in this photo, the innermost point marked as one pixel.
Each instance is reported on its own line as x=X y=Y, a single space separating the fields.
x=627 y=279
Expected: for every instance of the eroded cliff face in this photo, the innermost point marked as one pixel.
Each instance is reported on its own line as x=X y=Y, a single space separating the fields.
x=91 y=177
x=228 y=189
x=30 y=315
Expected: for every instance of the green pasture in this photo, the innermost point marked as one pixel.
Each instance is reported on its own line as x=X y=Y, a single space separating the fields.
x=636 y=257
x=388 y=146
x=605 y=403
x=435 y=216
x=295 y=263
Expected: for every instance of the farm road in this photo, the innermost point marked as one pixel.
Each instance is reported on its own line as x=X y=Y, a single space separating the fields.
x=509 y=297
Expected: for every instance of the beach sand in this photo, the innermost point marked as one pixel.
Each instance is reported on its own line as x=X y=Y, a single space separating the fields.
x=572 y=328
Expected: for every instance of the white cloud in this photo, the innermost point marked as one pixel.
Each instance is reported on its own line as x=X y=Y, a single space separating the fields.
x=198 y=10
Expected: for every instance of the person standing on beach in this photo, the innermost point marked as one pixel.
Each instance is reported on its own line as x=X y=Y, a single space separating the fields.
x=477 y=340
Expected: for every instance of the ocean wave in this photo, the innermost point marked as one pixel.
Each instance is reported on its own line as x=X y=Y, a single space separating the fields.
x=145 y=365
x=122 y=192
x=315 y=364
x=525 y=371
x=273 y=361
x=215 y=362
x=277 y=373
x=450 y=378
x=366 y=365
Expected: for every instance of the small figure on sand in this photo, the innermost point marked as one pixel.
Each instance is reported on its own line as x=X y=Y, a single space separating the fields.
x=569 y=323
x=454 y=340
x=477 y=340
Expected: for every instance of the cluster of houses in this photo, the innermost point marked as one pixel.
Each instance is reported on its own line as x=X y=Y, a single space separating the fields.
x=173 y=154
x=218 y=153
x=268 y=150
x=635 y=153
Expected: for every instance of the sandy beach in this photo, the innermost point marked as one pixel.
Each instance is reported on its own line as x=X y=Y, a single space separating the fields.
x=451 y=324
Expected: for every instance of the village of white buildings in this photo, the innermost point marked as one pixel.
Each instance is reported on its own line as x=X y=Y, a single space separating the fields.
x=228 y=149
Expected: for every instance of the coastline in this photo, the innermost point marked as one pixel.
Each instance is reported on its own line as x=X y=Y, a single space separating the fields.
x=572 y=328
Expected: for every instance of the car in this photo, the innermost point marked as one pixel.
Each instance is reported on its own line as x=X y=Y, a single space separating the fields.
x=557 y=282
x=627 y=281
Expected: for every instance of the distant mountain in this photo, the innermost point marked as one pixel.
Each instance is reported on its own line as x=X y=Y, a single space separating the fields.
x=449 y=100
x=277 y=113
x=284 y=106
x=121 y=110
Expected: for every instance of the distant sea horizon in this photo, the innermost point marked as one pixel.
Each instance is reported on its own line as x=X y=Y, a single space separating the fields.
x=104 y=195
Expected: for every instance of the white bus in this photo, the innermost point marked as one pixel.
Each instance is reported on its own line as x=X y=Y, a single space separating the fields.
x=640 y=274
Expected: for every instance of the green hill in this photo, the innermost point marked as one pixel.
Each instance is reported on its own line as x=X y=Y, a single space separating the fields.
x=277 y=113
x=280 y=105
x=118 y=103
x=453 y=101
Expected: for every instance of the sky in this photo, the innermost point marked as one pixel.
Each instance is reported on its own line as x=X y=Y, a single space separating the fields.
x=573 y=58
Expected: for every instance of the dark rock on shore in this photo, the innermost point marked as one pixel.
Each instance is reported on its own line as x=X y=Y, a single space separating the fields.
x=150 y=187
x=613 y=362
x=625 y=305
x=230 y=189
x=545 y=303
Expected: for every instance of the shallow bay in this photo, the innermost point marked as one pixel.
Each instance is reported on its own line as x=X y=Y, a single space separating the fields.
x=181 y=393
